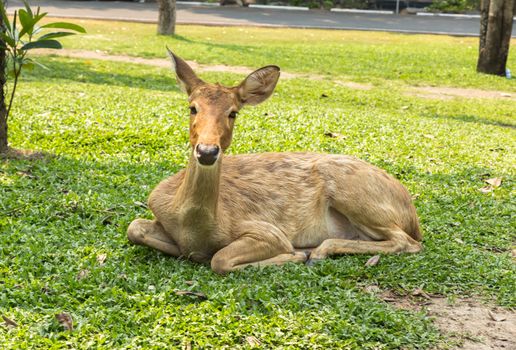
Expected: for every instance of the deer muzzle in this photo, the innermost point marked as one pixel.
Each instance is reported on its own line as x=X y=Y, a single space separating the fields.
x=207 y=154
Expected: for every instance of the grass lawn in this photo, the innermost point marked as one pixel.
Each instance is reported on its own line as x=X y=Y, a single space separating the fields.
x=112 y=131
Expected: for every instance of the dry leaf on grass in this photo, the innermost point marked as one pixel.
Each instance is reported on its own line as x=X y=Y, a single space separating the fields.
x=65 y=320
x=252 y=341
x=101 y=258
x=486 y=189
x=373 y=261
x=187 y=345
x=495 y=317
x=140 y=204
x=189 y=283
x=372 y=289
x=334 y=135
x=82 y=274
x=199 y=295
x=9 y=322
x=420 y=292
x=495 y=181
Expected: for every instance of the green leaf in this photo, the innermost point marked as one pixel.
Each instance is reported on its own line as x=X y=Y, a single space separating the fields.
x=8 y=39
x=27 y=22
x=43 y=44
x=27 y=7
x=32 y=61
x=55 y=35
x=14 y=21
x=5 y=18
x=65 y=25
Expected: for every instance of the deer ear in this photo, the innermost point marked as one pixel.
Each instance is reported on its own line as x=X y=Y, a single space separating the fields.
x=185 y=75
x=258 y=86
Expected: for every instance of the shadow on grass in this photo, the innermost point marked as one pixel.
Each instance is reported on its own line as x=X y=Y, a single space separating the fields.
x=68 y=211
x=472 y=119
x=88 y=72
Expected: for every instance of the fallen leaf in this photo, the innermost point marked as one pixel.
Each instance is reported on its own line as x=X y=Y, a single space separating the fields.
x=140 y=204
x=389 y=299
x=372 y=289
x=405 y=107
x=82 y=274
x=373 y=261
x=420 y=292
x=495 y=181
x=65 y=320
x=46 y=289
x=495 y=317
x=253 y=341
x=26 y=173
x=101 y=258
x=9 y=322
x=335 y=135
x=187 y=345
x=189 y=283
x=199 y=295
x=486 y=189
x=429 y=136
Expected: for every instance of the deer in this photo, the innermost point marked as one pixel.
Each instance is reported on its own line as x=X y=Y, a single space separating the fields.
x=268 y=208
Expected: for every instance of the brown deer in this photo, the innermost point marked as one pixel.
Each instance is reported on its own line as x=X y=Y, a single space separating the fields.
x=270 y=208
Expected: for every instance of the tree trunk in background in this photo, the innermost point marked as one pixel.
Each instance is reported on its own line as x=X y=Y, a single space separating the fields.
x=167 y=17
x=495 y=35
x=3 y=110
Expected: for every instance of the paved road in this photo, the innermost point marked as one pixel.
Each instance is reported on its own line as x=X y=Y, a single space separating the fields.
x=191 y=14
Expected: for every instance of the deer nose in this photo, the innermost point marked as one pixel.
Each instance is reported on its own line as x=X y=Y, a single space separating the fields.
x=207 y=154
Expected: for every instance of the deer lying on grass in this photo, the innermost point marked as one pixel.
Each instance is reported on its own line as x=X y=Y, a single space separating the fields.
x=270 y=208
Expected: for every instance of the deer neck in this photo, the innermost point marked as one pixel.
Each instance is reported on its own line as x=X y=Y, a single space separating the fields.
x=200 y=187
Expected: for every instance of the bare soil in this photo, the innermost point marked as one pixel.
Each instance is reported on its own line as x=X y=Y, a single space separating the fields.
x=468 y=323
x=445 y=93
x=423 y=92
x=23 y=154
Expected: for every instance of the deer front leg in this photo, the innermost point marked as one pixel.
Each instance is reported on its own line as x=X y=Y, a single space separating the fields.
x=152 y=234
x=259 y=244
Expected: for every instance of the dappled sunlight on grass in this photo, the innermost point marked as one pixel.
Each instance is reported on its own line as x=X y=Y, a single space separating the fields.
x=113 y=130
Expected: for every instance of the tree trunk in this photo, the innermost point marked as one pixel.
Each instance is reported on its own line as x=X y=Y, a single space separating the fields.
x=495 y=35
x=4 y=146
x=167 y=17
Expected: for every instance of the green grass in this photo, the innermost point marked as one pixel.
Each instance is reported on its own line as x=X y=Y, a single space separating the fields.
x=112 y=131
x=359 y=56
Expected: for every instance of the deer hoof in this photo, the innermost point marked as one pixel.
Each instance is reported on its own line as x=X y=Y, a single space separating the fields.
x=312 y=262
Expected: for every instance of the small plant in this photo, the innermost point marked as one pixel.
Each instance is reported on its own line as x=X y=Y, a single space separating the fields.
x=17 y=38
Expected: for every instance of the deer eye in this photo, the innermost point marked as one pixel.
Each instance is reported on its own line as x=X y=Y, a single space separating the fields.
x=193 y=111
x=233 y=115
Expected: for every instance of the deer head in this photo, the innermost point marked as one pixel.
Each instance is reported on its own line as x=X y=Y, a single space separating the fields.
x=213 y=107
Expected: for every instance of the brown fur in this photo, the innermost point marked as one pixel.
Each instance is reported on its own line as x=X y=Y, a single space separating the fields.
x=270 y=208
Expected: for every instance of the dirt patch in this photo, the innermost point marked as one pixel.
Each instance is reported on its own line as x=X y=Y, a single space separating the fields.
x=446 y=93
x=156 y=62
x=353 y=85
x=475 y=325
x=429 y=92
x=165 y=63
x=24 y=154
